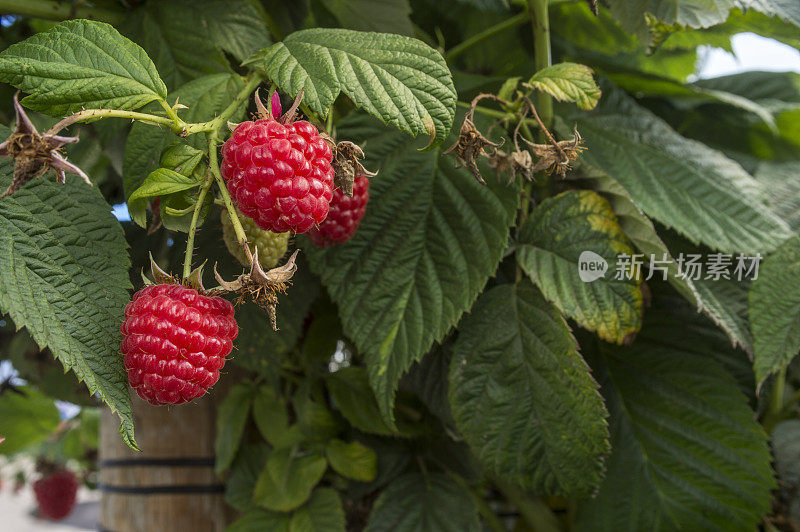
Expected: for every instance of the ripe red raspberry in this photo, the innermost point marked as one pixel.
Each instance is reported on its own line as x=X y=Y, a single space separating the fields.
x=344 y=215
x=279 y=174
x=56 y=494
x=175 y=341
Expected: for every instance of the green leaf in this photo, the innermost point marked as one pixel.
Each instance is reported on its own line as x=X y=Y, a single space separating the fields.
x=687 y=453
x=636 y=226
x=400 y=80
x=390 y=16
x=205 y=97
x=81 y=63
x=181 y=158
x=786 y=447
x=633 y=15
x=355 y=399
x=430 y=239
x=775 y=310
x=231 y=418
x=186 y=38
x=316 y=422
x=322 y=513
x=259 y=521
x=783 y=9
x=269 y=413
x=65 y=279
x=722 y=300
x=352 y=460
x=160 y=182
x=564 y=234
x=423 y=503
x=781 y=183
x=27 y=417
x=568 y=82
x=682 y=183
x=288 y=479
x=524 y=398
x=244 y=472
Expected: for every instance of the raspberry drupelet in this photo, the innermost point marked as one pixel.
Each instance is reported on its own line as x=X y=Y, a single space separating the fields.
x=344 y=216
x=279 y=173
x=175 y=341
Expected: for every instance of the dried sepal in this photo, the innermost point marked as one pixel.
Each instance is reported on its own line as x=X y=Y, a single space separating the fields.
x=518 y=162
x=557 y=157
x=347 y=165
x=259 y=286
x=195 y=279
x=261 y=109
x=471 y=144
x=35 y=154
x=159 y=275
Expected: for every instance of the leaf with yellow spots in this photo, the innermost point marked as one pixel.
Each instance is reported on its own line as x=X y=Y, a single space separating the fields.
x=570 y=247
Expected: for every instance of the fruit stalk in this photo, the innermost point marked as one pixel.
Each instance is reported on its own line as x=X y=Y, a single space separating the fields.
x=187 y=262
x=241 y=237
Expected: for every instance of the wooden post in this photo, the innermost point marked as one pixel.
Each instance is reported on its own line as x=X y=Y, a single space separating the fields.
x=170 y=484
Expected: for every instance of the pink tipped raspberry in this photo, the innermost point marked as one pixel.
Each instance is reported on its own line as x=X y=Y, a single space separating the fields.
x=175 y=341
x=56 y=494
x=344 y=215
x=279 y=174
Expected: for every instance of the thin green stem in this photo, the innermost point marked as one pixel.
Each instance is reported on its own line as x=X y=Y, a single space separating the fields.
x=59 y=10
x=241 y=237
x=251 y=82
x=272 y=26
x=93 y=114
x=187 y=261
x=179 y=126
x=488 y=515
x=540 y=23
x=532 y=509
x=457 y=50
x=776 y=403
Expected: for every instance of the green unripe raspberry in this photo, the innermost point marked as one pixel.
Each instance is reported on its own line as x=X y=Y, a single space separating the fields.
x=271 y=246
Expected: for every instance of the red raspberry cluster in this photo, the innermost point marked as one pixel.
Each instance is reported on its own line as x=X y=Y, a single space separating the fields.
x=56 y=494
x=344 y=215
x=279 y=174
x=175 y=341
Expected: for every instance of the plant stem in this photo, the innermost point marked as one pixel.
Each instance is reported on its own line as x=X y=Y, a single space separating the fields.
x=250 y=84
x=187 y=261
x=241 y=237
x=541 y=53
x=272 y=26
x=179 y=126
x=517 y=20
x=90 y=114
x=532 y=509
x=775 y=409
x=59 y=10
x=491 y=519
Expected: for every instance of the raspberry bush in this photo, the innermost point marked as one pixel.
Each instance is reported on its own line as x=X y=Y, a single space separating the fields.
x=480 y=265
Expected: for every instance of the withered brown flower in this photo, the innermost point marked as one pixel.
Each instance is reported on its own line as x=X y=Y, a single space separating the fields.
x=261 y=287
x=471 y=144
x=35 y=154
